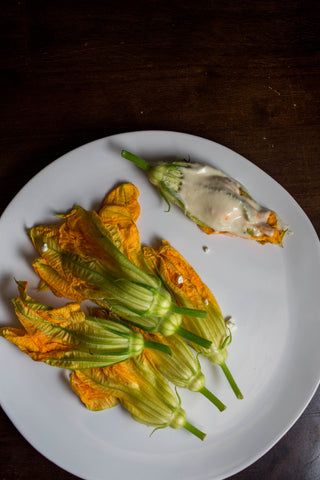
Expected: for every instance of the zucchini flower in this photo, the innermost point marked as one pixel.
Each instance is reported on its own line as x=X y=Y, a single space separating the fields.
x=182 y=367
x=65 y=337
x=140 y=388
x=83 y=259
x=189 y=290
x=214 y=201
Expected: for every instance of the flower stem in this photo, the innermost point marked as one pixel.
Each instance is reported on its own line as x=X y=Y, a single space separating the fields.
x=231 y=380
x=157 y=346
x=194 y=430
x=190 y=312
x=137 y=160
x=213 y=399
x=193 y=337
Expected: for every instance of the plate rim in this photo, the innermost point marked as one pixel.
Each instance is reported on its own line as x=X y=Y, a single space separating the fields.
x=150 y=132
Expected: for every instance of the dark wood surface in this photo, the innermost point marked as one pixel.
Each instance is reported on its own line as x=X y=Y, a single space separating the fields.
x=245 y=74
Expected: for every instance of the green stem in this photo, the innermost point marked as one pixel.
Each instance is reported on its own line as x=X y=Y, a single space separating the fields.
x=157 y=346
x=231 y=380
x=194 y=430
x=193 y=337
x=213 y=399
x=137 y=160
x=190 y=312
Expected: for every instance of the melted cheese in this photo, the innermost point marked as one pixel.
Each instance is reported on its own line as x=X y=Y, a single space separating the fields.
x=217 y=201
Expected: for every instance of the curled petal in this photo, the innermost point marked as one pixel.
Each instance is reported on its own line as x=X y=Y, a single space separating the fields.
x=189 y=290
x=89 y=392
x=125 y=195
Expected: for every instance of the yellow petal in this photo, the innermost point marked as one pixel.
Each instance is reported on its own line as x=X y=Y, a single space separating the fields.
x=180 y=277
x=124 y=195
x=80 y=234
x=89 y=392
x=18 y=337
x=276 y=237
x=31 y=339
x=49 y=266
x=40 y=334
x=60 y=286
x=121 y=208
x=190 y=291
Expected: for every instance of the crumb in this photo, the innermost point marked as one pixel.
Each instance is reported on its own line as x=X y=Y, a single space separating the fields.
x=274 y=90
x=230 y=323
x=206 y=249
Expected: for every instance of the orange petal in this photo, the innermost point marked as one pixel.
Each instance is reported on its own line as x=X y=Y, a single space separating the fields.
x=207 y=230
x=80 y=233
x=125 y=195
x=37 y=346
x=174 y=268
x=121 y=208
x=275 y=238
x=18 y=337
x=60 y=286
x=89 y=392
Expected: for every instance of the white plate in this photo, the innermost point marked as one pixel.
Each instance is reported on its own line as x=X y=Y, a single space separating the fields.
x=271 y=292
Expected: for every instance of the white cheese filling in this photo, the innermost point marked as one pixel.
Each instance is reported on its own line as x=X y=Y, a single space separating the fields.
x=216 y=200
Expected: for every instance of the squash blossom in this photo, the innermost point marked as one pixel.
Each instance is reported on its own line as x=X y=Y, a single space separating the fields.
x=140 y=388
x=189 y=290
x=214 y=201
x=182 y=368
x=65 y=337
x=84 y=258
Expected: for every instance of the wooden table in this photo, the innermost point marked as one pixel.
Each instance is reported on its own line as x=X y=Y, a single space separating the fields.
x=244 y=73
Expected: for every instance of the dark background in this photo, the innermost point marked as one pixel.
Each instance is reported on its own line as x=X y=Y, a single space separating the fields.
x=245 y=74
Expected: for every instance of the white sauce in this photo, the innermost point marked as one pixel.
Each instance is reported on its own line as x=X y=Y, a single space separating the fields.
x=215 y=199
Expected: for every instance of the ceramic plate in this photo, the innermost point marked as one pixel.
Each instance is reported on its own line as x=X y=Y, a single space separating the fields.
x=270 y=292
